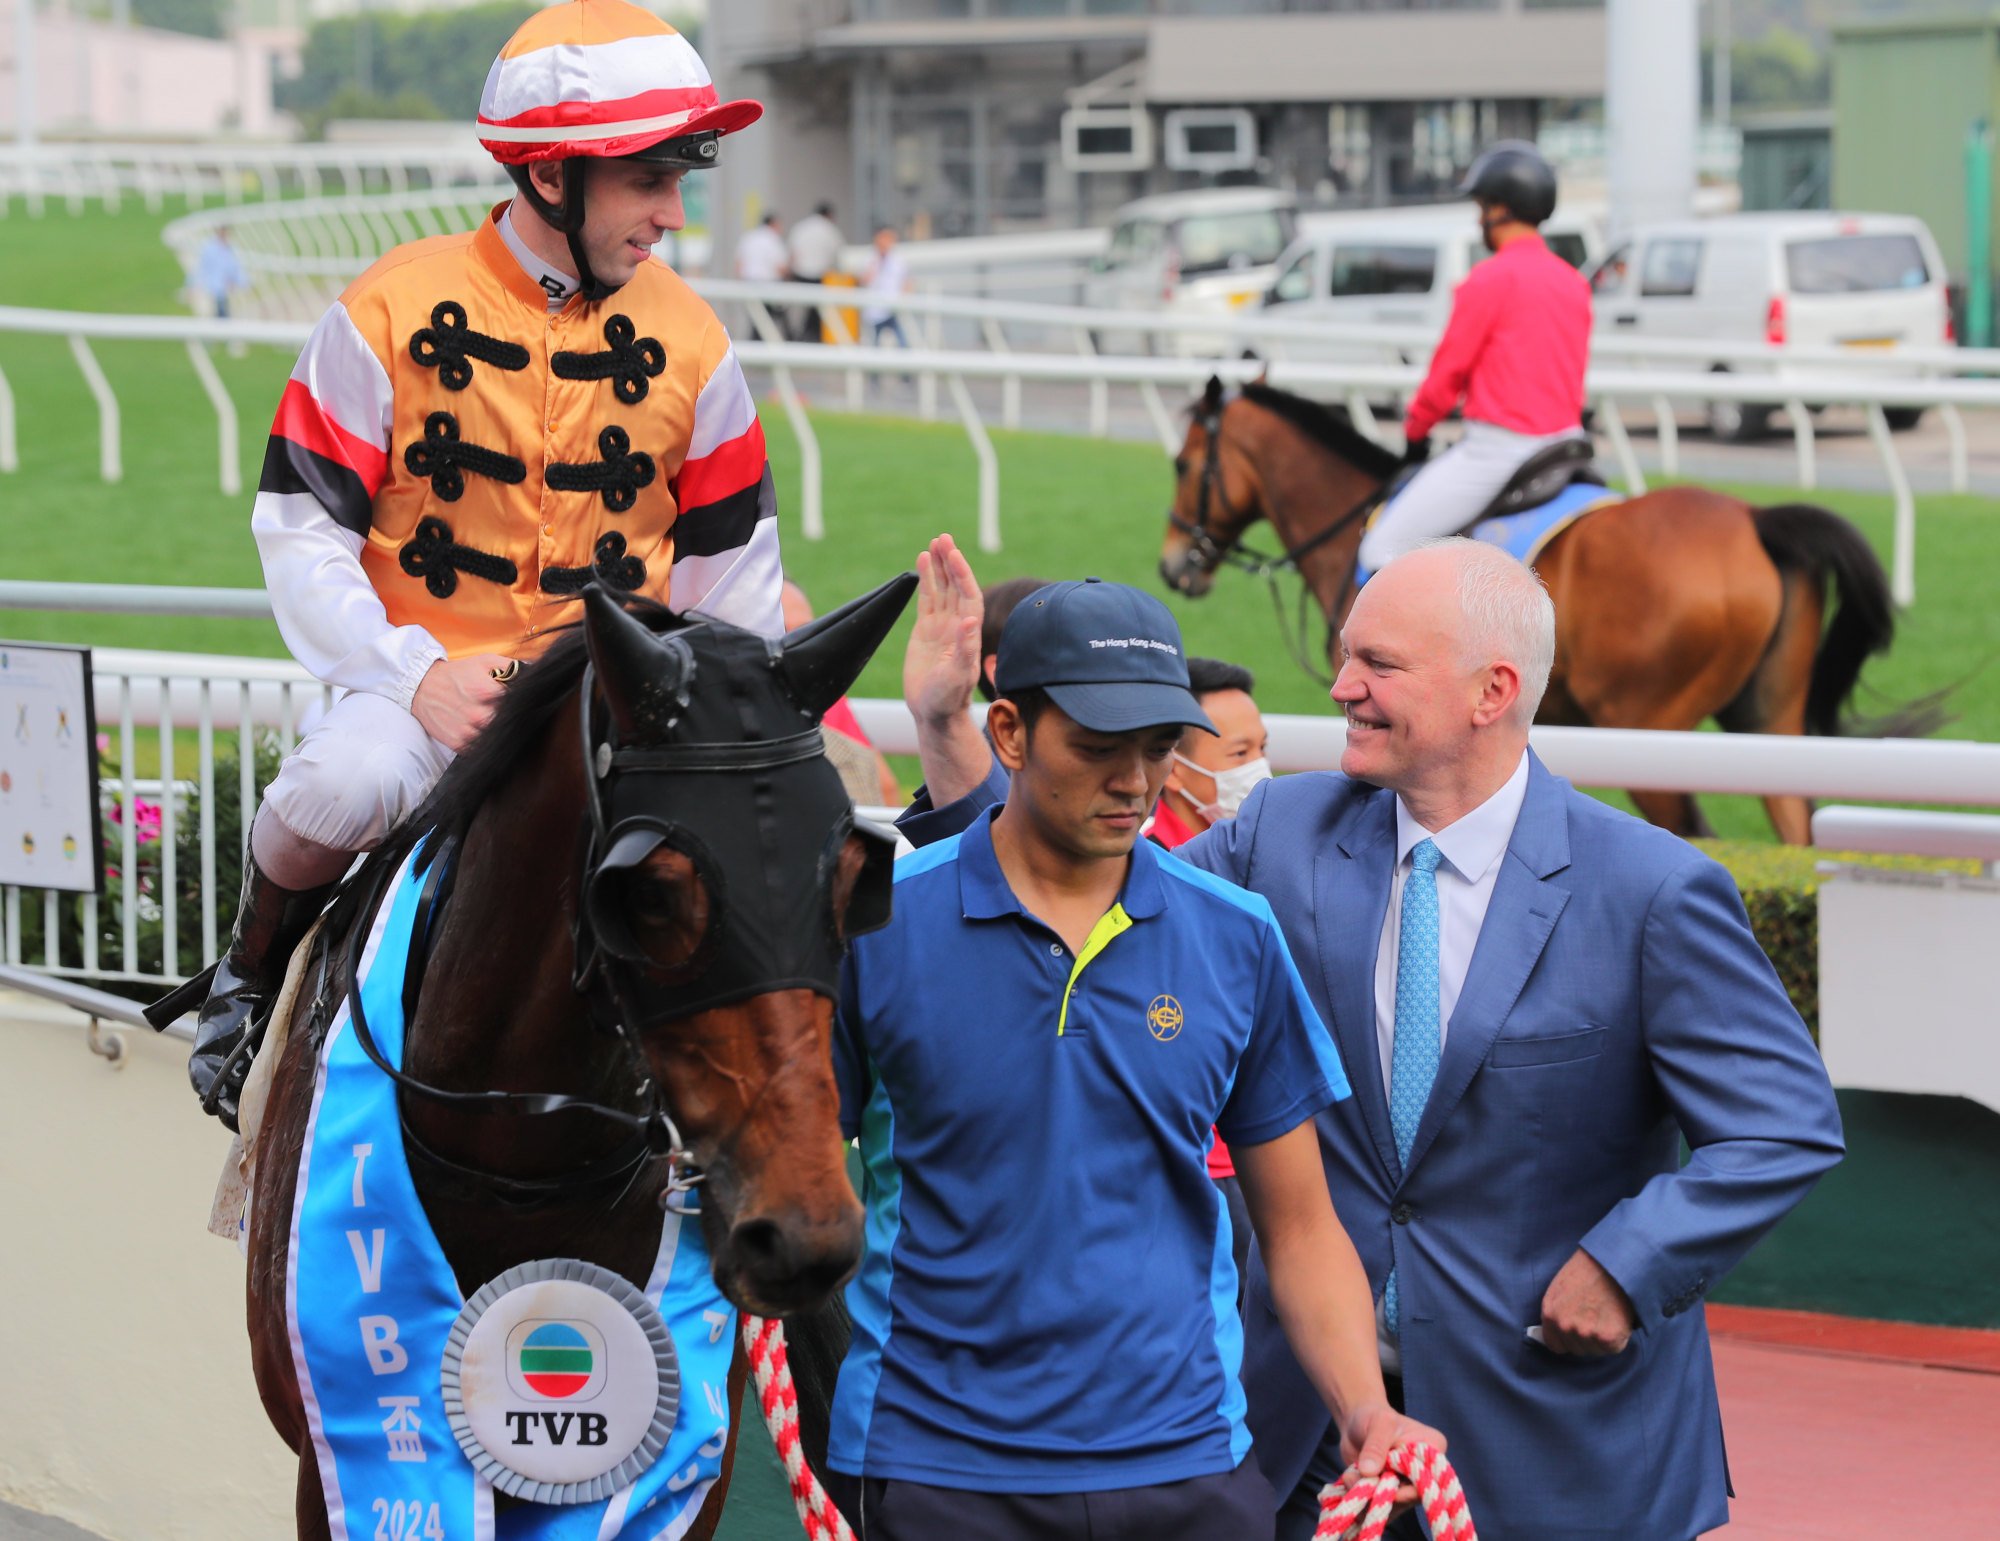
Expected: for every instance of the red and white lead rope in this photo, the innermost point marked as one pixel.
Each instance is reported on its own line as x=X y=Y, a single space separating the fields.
x=1356 y=1508
x=764 y=1342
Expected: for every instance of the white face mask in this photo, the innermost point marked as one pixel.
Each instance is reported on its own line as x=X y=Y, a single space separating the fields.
x=1231 y=785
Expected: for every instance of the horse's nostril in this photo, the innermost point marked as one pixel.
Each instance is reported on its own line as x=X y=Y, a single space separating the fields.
x=761 y=1246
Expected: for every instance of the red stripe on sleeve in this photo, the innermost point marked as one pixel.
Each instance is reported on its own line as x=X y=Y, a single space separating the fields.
x=305 y=422
x=729 y=467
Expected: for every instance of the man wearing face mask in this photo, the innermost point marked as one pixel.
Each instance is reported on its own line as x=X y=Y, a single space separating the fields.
x=1514 y=353
x=1213 y=772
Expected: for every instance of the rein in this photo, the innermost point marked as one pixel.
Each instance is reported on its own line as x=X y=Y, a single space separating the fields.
x=1207 y=554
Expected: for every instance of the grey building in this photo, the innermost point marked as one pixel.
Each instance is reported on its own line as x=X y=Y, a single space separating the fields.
x=968 y=117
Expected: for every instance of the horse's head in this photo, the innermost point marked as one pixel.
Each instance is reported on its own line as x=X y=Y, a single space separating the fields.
x=726 y=874
x=1217 y=495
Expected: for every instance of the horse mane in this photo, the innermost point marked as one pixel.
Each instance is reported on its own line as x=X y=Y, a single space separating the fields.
x=1330 y=427
x=534 y=695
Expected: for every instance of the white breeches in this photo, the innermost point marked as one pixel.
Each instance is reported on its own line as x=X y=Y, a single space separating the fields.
x=364 y=765
x=1448 y=493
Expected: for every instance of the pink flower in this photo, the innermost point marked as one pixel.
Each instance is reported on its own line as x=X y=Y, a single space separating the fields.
x=104 y=743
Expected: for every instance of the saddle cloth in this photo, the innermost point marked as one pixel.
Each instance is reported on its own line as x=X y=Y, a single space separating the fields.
x=1524 y=535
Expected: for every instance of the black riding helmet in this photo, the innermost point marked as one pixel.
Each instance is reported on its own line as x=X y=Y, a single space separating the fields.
x=1514 y=175
x=686 y=152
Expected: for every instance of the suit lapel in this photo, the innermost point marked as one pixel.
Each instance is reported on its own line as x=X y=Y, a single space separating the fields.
x=1519 y=920
x=1350 y=899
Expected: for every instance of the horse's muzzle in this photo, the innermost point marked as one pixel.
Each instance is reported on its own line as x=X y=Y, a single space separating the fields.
x=1181 y=573
x=780 y=1267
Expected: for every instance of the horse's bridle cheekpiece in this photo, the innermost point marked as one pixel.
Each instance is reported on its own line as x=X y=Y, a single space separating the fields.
x=734 y=776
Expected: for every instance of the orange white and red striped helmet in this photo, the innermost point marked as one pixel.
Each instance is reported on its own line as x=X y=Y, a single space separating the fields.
x=603 y=78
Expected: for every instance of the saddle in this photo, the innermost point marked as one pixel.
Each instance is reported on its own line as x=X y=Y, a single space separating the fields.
x=1544 y=474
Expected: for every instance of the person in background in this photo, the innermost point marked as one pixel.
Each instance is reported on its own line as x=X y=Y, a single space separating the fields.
x=997 y=604
x=888 y=277
x=814 y=250
x=1213 y=772
x=218 y=273
x=760 y=253
x=1514 y=352
x=863 y=771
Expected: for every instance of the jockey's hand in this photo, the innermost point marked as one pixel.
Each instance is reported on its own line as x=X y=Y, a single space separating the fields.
x=1372 y=1430
x=1585 y=1312
x=1417 y=451
x=941 y=667
x=455 y=699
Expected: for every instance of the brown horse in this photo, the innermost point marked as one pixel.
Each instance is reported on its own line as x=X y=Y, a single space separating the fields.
x=636 y=948
x=1671 y=608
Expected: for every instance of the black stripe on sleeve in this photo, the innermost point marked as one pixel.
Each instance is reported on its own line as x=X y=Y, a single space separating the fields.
x=727 y=523
x=291 y=467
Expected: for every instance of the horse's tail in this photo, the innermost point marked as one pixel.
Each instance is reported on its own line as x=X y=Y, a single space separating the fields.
x=815 y=1343
x=1821 y=546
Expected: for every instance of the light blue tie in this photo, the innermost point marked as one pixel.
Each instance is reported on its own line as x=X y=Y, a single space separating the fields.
x=1414 y=1065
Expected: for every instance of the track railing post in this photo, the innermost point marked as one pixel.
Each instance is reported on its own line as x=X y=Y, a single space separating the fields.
x=109 y=464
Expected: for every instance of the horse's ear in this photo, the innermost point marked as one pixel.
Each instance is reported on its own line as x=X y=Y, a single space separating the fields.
x=1211 y=395
x=644 y=677
x=823 y=657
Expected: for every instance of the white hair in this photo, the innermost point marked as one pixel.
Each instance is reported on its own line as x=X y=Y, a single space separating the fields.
x=1508 y=617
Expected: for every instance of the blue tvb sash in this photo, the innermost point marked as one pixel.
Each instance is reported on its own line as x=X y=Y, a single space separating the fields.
x=372 y=1302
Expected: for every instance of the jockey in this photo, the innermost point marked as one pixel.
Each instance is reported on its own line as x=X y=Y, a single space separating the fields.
x=481 y=426
x=1514 y=351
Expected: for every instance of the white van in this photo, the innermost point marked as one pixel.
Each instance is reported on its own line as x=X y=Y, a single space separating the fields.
x=1860 y=281
x=1200 y=253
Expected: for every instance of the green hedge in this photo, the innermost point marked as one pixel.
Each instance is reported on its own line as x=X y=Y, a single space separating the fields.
x=1780 y=888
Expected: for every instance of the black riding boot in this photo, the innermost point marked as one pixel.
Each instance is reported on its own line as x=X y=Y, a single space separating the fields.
x=269 y=923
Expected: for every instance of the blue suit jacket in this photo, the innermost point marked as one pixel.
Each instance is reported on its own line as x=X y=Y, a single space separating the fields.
x=1616 y=1004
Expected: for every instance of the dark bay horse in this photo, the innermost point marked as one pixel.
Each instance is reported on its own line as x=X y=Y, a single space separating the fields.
x=1671 y=608
x=628 y=988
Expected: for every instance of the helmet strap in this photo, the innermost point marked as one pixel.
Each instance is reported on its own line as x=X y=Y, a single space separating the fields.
x=566 y=217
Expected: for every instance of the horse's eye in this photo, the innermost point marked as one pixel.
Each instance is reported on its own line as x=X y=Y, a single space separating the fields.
x=1180 y=465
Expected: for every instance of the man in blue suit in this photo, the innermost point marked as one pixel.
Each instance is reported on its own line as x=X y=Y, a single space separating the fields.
x=1587 y=995
x=1538 y=999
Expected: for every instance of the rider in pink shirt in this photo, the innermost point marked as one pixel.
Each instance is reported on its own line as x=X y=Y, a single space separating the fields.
x=1514 y=352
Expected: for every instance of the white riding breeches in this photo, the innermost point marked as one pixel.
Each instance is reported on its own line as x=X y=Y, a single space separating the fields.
x=364 y=765
x=1448 y=493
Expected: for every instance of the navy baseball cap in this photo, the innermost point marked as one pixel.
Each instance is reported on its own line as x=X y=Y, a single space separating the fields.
x=1109 y=655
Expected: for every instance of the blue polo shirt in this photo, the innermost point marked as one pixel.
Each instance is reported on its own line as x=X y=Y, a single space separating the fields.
x=1047 y=1299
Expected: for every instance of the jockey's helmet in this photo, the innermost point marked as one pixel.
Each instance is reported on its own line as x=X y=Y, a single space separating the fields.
x=606 y=80
x=1514 y=175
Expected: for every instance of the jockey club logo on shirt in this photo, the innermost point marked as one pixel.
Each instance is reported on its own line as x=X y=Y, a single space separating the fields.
x=1163 y=1018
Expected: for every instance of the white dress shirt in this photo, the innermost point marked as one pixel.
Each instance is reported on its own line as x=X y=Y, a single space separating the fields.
x=1473 y=849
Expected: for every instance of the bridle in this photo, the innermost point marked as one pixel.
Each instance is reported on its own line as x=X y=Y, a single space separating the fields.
x=607 y=975
x=1209 y=555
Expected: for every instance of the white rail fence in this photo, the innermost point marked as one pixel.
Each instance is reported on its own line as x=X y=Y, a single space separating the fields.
x=248 y=178
x=162 y=923
x=1355 y=382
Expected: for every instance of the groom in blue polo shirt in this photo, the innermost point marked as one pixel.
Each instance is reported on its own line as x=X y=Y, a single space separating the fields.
x=1032 y=1054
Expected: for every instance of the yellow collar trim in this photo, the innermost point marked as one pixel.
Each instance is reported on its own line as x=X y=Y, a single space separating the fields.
x=1112 y=923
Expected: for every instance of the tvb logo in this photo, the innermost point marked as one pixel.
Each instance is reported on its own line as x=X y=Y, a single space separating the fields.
x=575 y=1429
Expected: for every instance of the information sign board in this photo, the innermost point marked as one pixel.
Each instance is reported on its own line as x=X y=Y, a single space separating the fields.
x=50 y=835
